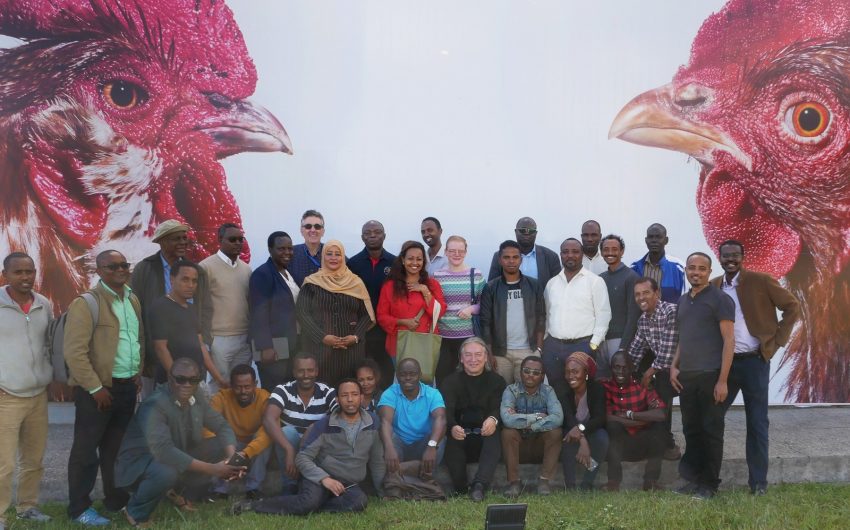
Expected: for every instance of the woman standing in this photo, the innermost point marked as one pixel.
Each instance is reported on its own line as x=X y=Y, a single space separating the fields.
x=462 y=288
x=408 y=296
x=583 y=401
x=335 y=312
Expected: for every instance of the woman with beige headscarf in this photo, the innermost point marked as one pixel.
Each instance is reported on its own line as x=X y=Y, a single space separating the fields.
x=334 y=312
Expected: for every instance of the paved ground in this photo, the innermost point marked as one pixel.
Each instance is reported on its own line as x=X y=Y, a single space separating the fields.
x=807 y=444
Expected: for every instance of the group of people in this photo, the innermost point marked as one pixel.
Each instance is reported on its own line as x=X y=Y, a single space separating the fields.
x=574 y=356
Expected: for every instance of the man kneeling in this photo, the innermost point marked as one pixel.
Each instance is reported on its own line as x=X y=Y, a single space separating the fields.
x=332 y=461
x=635 y=424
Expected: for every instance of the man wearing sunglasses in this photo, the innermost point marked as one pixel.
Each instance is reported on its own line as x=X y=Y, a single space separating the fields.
x=538 y=261
x=307 y=257
x=164 y=452
x=104 y=361
x=532 y=418
x=228 y=278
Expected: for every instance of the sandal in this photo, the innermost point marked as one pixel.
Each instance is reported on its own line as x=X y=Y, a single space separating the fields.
x=180 y=502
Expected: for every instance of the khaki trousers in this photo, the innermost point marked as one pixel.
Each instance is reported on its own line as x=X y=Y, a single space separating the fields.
x=23 y=438
x=508 y=366
x=516 y=449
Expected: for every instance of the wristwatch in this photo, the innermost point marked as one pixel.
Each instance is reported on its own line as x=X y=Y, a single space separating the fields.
x=630 y=415
x=581 y=428
x=432 y=443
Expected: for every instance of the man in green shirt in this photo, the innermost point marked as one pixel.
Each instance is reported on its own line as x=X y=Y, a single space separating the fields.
x=104 y=364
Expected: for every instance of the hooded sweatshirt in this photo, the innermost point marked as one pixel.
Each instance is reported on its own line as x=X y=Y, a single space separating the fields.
x=25 y=367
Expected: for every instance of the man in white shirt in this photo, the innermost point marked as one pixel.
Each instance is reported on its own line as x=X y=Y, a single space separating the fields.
x=228 y=282
x=591 y=235
x=577 y=311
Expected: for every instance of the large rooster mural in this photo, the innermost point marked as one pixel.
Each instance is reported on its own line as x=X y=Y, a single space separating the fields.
x=114 y=115
x=763 y=106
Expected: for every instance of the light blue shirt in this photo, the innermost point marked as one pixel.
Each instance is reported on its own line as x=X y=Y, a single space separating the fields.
x=528 y=267
x=166 y=268
x=412 y=420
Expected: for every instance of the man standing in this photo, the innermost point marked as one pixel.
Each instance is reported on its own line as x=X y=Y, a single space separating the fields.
x=532 y=418
x=699 y=373
x=413 y=420
x=472 y=399
x=151 y=280
x=307 y=256
x=538 y=262
x=577 y=311
x=164 y=450
x=513 y=314
x=436 y=258
x=228 y=281
x=591 y=258
x=372 y=265
x=333 y=461
x=620 y=281
x=104 y=361
x=272 y=295
x=242 y=405
x=292 y=408
x=667 y=271
x=653 y=348
x=758 y=335
x=25 y=317
x=635 y=425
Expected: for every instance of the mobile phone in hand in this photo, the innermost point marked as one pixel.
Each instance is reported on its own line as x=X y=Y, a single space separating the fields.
x=237 y=460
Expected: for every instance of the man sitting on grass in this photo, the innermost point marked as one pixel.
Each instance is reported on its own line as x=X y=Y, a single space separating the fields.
x=332 y=461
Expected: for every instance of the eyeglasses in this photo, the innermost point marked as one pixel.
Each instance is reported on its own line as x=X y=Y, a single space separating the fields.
x=309 y=226
x=456 y=252
x=472 y=431
x=532 y=371
x=526 y=231
x=183 y=380
x=115 y=266
x=236 y=239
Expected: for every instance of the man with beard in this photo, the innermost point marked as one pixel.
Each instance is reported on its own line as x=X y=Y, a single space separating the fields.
x=620 y=281
x=591 y=258
x=538 y=262
x=435 y=258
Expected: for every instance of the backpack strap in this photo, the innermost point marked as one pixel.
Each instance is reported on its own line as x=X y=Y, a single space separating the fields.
x=94 y=307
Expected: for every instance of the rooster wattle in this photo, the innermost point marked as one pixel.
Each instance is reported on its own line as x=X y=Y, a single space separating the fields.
x=113 y=117
x=763 y=105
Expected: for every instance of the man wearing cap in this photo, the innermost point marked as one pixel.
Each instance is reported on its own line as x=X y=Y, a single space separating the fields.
x=151 y=280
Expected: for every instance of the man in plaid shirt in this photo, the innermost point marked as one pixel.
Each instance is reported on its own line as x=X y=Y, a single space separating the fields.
x=635 y=425
x=651 y=351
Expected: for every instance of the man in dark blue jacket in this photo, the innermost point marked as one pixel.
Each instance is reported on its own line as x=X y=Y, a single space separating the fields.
x=667 y=271
x=272 y=294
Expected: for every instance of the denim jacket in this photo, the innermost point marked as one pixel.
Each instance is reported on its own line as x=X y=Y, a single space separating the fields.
x=526 y=406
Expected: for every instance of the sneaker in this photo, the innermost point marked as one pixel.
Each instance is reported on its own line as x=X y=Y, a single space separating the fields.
x=758 y=491
x=91 y=518
x=476 y=492
x=543 y=487
x=672 y=453
x=514 y=490
x=689 y=488
x=34 y=514
x=703 y=494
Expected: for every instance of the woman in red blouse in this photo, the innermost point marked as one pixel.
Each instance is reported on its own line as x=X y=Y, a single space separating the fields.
x=407 y=291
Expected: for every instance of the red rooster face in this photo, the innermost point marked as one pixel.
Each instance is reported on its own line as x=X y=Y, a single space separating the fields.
x=121 y=112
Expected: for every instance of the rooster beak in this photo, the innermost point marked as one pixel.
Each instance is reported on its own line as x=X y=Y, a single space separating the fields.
x=664 y=118
x=243 y=126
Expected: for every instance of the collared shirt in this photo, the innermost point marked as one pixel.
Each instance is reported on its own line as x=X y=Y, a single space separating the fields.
x=128 y=353
x=290 y=282
x=631 y=396
x=700 y=340
x=659 y=332
x=577 y=308
x=439 y=262
x=225 y=259
x=412 y=418
x=651 y=270
x=596 y=264
x=166 y=269
x=526 y=407
x=294 y=412
x=744 y=341
x=528 y=267
x=373 y=272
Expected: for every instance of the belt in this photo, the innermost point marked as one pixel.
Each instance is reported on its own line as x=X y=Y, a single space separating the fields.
x=747 y=354
x=573 y=341
x=124 y=380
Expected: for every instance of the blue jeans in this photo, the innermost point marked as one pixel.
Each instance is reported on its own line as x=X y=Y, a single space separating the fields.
x=598 y=441
x=556 y=352
x=312 y=497
x=751 y=375
x=294 y=438
x=407 y=452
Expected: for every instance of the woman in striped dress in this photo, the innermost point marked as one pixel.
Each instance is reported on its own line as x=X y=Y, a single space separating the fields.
x=462 y=288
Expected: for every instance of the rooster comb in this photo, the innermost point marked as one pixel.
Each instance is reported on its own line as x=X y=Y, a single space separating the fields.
x=200 y=37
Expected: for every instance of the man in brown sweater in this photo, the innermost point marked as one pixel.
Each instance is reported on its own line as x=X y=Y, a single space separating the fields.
x=228 y=278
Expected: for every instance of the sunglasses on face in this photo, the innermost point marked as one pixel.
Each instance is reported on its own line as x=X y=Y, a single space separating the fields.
x=532 y=371
x=115 y=266
x=526 y=231
x=183 y=380
x=308 y=226
x=236 y=239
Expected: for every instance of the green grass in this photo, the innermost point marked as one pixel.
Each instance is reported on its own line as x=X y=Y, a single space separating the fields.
x=791 y=507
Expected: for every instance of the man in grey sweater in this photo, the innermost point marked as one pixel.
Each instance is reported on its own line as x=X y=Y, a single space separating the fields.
x=625 y=312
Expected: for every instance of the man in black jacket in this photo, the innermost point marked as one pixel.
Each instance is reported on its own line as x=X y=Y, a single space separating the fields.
x=513 y=314
x=539 y=262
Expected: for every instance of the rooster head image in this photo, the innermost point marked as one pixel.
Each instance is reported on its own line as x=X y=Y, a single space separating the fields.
x=114 y=115
x=764 y=106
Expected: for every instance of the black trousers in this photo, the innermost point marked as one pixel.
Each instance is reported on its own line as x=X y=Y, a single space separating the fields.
x=648 y=443
x=665 y=391
x=97 y=438
x=449 y=358
x=703 y=422
x=273 y=374
x=486 y=450
x=376 y=349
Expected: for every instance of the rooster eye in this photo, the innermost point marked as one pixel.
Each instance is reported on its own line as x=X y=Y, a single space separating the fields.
x=123 y=94
x=808 y=119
